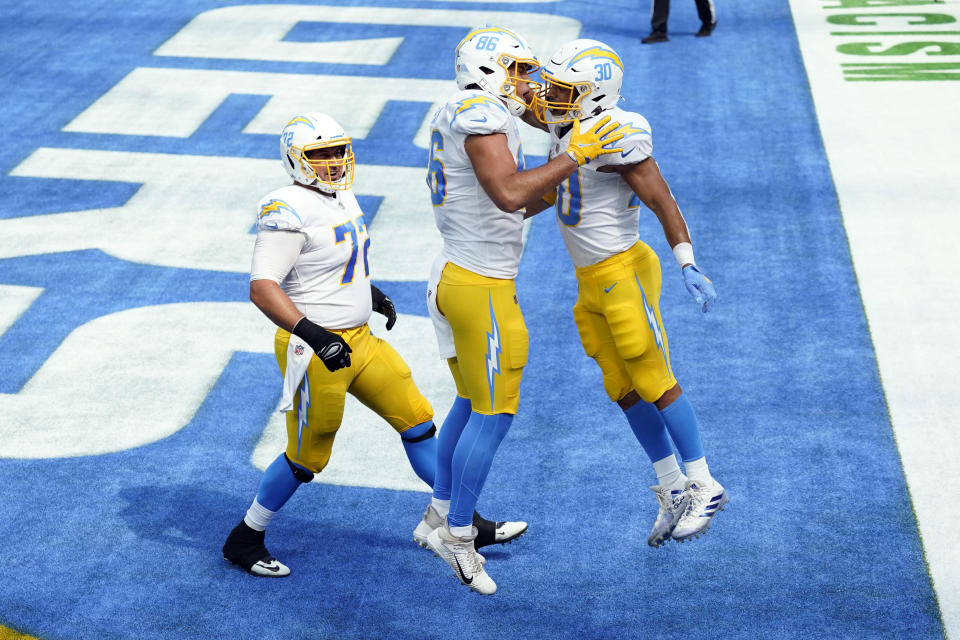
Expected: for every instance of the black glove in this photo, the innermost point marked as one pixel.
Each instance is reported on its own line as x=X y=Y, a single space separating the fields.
x=384 y=305
x=329 y=347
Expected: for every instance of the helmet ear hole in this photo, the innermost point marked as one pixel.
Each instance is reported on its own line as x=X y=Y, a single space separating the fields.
x=486 y=70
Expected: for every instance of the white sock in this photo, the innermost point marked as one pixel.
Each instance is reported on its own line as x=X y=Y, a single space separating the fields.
x=441 y=506
x=462 y=532
x=258 y=516
x=668 y=473
x=699 y=471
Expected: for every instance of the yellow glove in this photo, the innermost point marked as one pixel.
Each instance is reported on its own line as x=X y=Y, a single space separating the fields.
x=586 y=146
x=550 y=197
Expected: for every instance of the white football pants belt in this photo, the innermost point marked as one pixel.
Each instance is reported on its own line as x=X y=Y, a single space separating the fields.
x=298 y=359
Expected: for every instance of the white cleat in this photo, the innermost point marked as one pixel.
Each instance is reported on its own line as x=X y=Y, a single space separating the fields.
x=462 y=558
x=672 y=503
x=705 y=500
x=431 y=520
x=270 y=568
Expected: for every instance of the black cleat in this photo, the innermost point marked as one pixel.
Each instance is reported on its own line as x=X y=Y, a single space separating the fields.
x=489 y=532
x=655 y=37
x=706 y=29
x=244 y=547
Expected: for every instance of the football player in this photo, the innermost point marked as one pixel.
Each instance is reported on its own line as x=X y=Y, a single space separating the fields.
x=310 y=276
x=479 y=186
x=617 y=310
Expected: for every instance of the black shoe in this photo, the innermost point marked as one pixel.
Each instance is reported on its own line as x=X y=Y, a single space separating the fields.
x=244 y=547
x=489 y=532
x=706 y=29
x=655 y=37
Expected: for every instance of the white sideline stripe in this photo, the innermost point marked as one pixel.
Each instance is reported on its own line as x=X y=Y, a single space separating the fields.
x=892 y=151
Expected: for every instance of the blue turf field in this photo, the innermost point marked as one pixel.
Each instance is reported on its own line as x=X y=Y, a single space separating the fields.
x=783 y=376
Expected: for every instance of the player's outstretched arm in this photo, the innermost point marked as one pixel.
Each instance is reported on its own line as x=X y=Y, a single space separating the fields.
x=647 y=182
x=510 y=190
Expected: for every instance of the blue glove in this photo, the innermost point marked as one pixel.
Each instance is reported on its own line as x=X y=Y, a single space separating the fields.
x=699 y=287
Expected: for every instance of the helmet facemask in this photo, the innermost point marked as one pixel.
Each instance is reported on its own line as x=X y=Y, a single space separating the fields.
x=513 y=69
x=557 y=102
x=330 y=164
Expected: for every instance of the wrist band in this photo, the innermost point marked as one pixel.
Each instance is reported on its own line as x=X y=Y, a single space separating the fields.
x=683 y=252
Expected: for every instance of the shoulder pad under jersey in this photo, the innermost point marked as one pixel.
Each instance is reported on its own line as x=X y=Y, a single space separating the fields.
x=278 y=214
x=636 y=143
x=478 y=113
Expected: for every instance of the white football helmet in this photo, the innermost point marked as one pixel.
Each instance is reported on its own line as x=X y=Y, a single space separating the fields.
x=484 y=58
x=300 y=141
x=582 y=79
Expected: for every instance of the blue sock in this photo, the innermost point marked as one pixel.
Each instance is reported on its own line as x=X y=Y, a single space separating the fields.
x=684 y=428
x=453 y=426
x=471 y=463
x=277 y=484
x=422 y=454
x=650 y=430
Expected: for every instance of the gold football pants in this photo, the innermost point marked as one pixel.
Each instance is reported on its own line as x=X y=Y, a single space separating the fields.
x=377 y=376
x=490 y=337
x=618 y=317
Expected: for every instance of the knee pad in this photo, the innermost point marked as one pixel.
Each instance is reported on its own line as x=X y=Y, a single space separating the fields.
x=429 y=433
x=301 y=474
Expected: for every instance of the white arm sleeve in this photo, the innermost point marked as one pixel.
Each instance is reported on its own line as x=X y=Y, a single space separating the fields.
x=275 y=253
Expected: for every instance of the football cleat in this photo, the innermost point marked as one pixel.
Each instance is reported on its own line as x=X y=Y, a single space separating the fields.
x=706 y=29
x=244 y=547
x=490 y=532
x=431 y=520
x=463 y=558
x=672 y=503
x=705 y=500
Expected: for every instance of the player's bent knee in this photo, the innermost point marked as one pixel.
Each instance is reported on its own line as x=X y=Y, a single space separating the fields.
x=413 y=434
x=301 y=473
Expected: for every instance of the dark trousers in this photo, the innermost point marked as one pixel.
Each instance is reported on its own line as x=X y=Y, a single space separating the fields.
x=661 y=11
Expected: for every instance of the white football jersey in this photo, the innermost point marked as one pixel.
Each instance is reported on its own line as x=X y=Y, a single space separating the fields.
x=598 y=212
x=330 y=280
x=476 y=234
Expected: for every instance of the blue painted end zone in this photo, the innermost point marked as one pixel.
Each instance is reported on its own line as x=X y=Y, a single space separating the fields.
x=819 y=539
